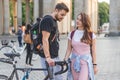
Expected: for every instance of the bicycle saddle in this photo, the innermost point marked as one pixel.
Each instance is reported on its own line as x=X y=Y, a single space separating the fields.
x=11 y=55
x=12 y=41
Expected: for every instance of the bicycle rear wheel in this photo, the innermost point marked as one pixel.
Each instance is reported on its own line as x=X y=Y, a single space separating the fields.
x=3 y=77
x=6 y=49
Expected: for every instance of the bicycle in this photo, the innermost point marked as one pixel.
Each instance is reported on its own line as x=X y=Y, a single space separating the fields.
x=10 y=47
x=10 y=60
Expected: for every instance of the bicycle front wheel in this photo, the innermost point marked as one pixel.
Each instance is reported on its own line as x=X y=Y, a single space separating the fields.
x=3 y=77
x=6 y=49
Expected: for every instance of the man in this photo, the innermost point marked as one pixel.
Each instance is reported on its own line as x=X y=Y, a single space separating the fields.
x=19 y=33
x=49 y=29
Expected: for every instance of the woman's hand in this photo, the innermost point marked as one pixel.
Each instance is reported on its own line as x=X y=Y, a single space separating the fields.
x=95 y=69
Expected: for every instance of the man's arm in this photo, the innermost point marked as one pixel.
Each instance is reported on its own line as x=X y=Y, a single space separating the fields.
x=45 y=42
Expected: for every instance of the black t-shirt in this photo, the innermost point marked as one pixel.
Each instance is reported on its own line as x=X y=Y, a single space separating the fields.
x=50 y=25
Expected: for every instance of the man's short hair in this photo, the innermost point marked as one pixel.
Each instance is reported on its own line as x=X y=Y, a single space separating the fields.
x=62 y=6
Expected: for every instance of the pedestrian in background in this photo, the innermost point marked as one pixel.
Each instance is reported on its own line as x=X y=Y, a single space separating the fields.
x=28 y=47
x=83 y=65
x=19 y=34
x=49 y=29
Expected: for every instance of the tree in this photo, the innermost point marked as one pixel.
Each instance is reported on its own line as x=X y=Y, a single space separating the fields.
x=73 y=9
x=103 y=12
x=24 y=12
x=11 y=13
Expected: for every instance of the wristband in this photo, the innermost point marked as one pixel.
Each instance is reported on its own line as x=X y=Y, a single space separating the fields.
x=95 y=64
x=47 y=57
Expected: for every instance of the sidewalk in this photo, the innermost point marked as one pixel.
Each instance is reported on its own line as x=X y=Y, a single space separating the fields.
x=108 y=59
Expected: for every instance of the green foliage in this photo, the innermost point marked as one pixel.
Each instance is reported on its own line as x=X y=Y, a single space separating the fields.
x=23 y=13
x=103 y=12
x=73 y=9
x=31 y=12
x=11 y=13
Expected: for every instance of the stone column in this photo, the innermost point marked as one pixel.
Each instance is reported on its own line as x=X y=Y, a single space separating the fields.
x=15 y=14
x=40 y=8
x=48 y=6
x=6 y=17
x=94 y=14
x=1 y=16
x=19 y=11
x=36 y=9
x=79 y=7
x=27 y=12
x=114 y=18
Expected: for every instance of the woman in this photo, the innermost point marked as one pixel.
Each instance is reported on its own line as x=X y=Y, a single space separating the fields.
x=29 y=51
x=83 y=64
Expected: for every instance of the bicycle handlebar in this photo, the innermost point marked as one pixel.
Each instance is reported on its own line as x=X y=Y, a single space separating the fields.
x=62 y=64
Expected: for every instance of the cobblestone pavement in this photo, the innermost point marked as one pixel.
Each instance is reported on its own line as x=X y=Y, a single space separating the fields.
x=108 y=59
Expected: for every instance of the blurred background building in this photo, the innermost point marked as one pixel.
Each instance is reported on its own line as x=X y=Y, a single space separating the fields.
x=22 y=12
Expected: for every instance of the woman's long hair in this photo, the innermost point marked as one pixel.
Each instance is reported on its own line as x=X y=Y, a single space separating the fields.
x=87 y=28
x=28 y=28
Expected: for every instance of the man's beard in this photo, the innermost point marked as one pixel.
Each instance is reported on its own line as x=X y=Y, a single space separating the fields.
x=58 y=19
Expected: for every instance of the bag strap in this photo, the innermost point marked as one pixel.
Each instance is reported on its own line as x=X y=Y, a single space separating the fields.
x=39 y=25
x=72 y=34
x=53 y=38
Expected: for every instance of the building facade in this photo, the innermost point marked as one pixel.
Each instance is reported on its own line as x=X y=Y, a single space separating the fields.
x=114 y=18
x=43 y=7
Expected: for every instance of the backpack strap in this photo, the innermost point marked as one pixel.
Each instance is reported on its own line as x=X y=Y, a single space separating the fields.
x=72 y=34
x=39 y=25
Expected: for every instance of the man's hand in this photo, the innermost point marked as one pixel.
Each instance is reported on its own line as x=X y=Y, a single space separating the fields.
x=50 y=61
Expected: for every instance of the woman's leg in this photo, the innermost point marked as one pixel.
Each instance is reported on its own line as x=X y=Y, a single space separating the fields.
x=75 y=75
x=28 y=52
x=30 y=55
x=83 y=74
x=84 y=71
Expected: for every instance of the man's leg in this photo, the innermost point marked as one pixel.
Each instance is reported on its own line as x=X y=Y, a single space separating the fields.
x=55 y=69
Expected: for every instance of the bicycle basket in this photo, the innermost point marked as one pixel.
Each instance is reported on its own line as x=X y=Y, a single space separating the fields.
x=4 y=42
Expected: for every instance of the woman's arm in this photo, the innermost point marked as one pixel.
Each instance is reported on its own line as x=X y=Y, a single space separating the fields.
x=68 y=51
x=94 y=56
x=94 y=51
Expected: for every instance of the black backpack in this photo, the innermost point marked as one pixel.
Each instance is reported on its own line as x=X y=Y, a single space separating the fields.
x=36 y=37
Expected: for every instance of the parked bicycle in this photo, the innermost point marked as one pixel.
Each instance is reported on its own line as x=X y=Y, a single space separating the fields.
x=10 y=47
x=10 y=60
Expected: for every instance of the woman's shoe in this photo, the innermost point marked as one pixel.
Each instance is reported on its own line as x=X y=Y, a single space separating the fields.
x=31 y=64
